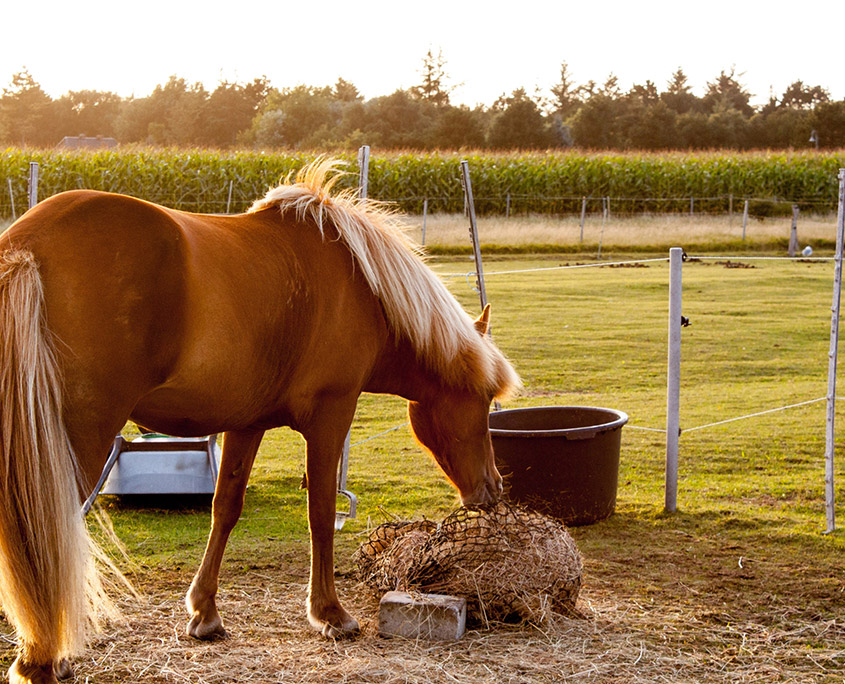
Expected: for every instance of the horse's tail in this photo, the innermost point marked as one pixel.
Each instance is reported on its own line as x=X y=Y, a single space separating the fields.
x=49 y=586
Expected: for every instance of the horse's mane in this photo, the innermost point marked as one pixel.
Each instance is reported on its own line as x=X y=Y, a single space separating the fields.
x=418 y=306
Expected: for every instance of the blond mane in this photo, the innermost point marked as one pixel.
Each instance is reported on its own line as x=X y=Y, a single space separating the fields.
x=418 y=305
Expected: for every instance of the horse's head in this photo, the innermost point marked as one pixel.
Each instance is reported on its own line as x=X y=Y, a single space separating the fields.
x=453 y=425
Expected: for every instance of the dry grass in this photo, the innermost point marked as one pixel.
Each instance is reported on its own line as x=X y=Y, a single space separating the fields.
x=450 y=230
x=680 y=609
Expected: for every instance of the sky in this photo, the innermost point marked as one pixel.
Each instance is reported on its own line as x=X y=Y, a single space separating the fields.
x=490 y=48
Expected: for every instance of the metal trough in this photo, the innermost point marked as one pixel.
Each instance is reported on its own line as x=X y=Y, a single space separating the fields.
x=560 y=460
x=159 y=464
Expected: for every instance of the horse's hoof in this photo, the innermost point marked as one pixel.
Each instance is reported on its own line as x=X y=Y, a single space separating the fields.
x=25 y=673
x=348 y=630
x=206 y=630
x=63 y=669
x=341 y=626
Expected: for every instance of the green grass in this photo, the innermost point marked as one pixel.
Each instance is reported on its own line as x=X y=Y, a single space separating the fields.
x=758 y=340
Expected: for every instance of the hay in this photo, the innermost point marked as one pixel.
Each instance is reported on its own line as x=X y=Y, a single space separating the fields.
x=510 y=564
x=784 y=630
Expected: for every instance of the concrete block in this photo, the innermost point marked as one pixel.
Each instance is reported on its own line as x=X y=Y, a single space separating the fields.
x=434 y=617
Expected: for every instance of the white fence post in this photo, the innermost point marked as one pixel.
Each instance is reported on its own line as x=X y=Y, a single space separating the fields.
x=830 y=442
x=12 y=199
x=583 y=214
x=673 y=380
x=32 y=189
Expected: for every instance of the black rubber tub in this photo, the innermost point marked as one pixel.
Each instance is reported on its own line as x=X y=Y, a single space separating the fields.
x=560 y=460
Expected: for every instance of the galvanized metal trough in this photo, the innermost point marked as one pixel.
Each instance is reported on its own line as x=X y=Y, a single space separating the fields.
x=154 y=464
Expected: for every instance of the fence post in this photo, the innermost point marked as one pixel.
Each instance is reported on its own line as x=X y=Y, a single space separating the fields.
x=673 y=380
x=730 y=208
x=508 y=206
x=363 y=171
x=793 y=233
x=829 y=441
x=343 y=467
x=744 y=218
x=692 y=206
x=605 y=210
x=473 y=233
x=229 y=200
x=425 y=214
x=12 y=199
x=32 y=188
x=583 y=214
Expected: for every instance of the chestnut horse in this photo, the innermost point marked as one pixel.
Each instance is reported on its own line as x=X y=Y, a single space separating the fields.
x=112 y=308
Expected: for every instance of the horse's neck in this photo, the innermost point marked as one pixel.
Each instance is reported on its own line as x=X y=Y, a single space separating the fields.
x=399 y=371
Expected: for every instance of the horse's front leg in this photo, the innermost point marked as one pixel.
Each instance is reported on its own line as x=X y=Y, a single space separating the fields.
x=239 y=449
x=325 y=445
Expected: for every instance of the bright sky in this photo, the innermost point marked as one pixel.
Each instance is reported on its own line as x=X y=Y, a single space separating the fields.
x=490 y=47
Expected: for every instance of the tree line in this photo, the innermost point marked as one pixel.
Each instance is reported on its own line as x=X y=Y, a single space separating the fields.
x=588 y=116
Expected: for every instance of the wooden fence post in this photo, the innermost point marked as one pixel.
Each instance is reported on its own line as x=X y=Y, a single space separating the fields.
x=744 y=218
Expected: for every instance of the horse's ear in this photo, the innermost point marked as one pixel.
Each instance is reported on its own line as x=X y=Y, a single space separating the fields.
x=483 y=321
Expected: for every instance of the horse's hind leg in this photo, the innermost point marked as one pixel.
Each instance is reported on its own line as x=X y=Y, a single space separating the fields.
x=239 y=449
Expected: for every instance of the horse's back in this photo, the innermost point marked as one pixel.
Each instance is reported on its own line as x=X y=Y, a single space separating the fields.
x=196 y=323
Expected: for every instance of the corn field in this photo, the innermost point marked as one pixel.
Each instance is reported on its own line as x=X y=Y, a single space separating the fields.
x=536 y=183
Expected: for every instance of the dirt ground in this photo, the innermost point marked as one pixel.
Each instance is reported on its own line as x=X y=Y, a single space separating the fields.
x=684 y=608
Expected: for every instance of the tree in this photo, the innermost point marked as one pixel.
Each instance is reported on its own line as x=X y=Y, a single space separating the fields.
x=597 y=123
x=519 y=124
x=344 y=91
x=693 y=130
x=781 y=127
x=610 y=88
x=88 y=112
x=799 y=96
x=171 y=115
x=644 y=94
x=229 y=110
x=828 y=120
x=649 y=125
x=678 y=95
x=566 y=95
x=401 y=120
x=292 y=117
x=728 y=128
x=433 y=88
x=458 y=127
x=725 y=93
x=24 y=112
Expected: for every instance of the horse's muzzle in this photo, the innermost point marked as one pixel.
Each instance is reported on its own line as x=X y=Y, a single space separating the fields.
x=488 y=491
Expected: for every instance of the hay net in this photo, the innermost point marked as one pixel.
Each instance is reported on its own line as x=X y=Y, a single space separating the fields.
x=509 y=563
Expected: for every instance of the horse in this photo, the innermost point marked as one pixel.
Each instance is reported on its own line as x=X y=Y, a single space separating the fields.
x=114 y=309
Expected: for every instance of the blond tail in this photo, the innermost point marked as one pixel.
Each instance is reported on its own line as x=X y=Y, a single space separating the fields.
x=49 y=587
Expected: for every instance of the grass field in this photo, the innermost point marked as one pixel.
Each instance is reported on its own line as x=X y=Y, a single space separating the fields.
x=446 y=233
x=741 y=585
